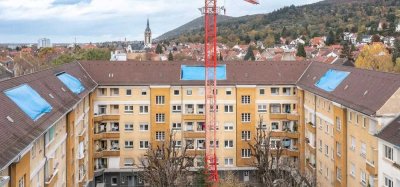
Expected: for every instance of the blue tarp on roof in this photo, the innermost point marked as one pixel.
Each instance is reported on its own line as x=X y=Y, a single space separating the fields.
x=29 y=101
x=71 y=82
x=198 y=72
x=331 y=79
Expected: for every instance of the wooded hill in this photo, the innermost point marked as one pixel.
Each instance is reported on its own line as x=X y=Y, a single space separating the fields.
x=358 y=16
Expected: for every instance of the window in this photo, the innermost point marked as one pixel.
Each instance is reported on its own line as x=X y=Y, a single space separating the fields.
x=128 y=144
x=144 y=127
x=102 y=109
x=338 y=149
x=143 y=109
x=275 y=108
x=262 y=108
x=128 y=92
x=102 y=91
x=143 y=144
x=228 y=162
x=201 y=144
x=363 y=150
x=114 y=91
x=114 y=181
x=286 y=91
x=245 y=135
x=274 y=91
x=228 y=91
x=160 y=135
x=274 y=126
x=326 y=150
x=176 y=126
x=128 y=162
x=212 y=143
x=21 y=181
x=114 y=126
x=190 y=144
x=275 y=143
x=176 y=108
x=128 y=126
x=356 y=116
x=246 y=153
x=177 y=144
x=320 y=145
x=228 y=144
x=228 y=126
x=245 y=99
x=189 y=126
x=363 y=178
x=352 y=170
x=339 y=174
x=364 y=122
x=245 y=117
x=143 y=92
x=128 y=109
x=160 y=118
x=228 y=108
x=338 y=124
x=326 y=128
x=201 y=126
x=388 y=182
x=49 y=136
x=176 y=92
x=160 y=100
x=350 y=116
x=212 y=108
x=262 y=91
x=388 y=152
x=189 y=92
x=353 y=143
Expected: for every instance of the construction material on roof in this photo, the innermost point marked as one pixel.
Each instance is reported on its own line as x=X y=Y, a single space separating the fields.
x=331 y=79
x=71 y=82
x=191 y=73
x=29 y=101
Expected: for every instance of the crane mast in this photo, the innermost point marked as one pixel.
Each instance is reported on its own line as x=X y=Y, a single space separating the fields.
x=211 y=11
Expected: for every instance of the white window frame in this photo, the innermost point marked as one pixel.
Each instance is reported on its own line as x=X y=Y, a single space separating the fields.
x=144 y=144
x=129 y=129
x=189 y=92
x=143 y=109
x=176 y=108
x=228 y=162
x=143 y=126
x=261 y=91
x=228 y=144
x=128 y=144
x=126 y=92
x=228 y=108
x=246 y=135
x=262 y=108
x=160 y=136
x=128 y=109
x=246 y=153
x=276 y=91
x=246 y=117
x=129 y=164
x=388 y=152
x=160 y=100
x=246 y=99
x=160 y=118
x=228 y=126
x=176 y=94
x=228 y=91
x=176 y=126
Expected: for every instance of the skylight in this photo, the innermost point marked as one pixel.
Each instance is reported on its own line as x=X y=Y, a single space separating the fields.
x=29 y=101
x=71 y=82
x=198 y=72
x=331 y=79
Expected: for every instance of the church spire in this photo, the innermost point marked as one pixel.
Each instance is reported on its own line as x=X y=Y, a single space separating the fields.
x=148 y=26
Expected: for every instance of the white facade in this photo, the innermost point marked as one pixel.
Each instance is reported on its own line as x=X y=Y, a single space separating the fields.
x=44 y=42
x=389 y=164
x=118 y=56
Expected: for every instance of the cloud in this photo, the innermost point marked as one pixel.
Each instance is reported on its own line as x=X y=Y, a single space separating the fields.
x=100 y=20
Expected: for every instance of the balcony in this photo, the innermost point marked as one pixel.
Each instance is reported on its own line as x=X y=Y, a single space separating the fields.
x=106 y=117
x=287 y=152
x=282 y=116
x=310 y=147
x=371 y=169
x=194 y=134
x=52 y=179
x=285 y=134
x=311 y=127
x=194 y=117
x=396 y=165
x=310 y=166
x=106 y=135
x=106 y=153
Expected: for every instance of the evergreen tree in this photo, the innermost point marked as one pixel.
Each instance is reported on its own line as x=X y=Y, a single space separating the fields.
x=159 y=49
x=301 y=51
x=170 y=56
x=330 y=39
x=396 y=51
x=347 y=51
x=249 y=55
x=220 y=57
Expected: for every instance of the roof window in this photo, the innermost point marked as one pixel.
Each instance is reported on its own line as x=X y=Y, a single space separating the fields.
x=71 y=82
x=331 y=79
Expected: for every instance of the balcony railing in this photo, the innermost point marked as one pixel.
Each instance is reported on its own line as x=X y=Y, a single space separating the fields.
x=371 y=168
x=106 y=117
x=52 y=179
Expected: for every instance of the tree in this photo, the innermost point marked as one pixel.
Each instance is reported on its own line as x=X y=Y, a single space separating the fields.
x=376 y=38
x=347 y=51
x=301 y=52
x=396 y=51
x=270 y=171
x=166 y=165
x=170 y=56
x=159 y=49
x=220 y=57
x=249 y=55
x=375 y=57
x=330 y=39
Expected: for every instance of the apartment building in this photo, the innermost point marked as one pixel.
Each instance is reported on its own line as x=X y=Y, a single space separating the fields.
x=44 y=128
x=342 y=121
x=325 y=117
x=389 y=155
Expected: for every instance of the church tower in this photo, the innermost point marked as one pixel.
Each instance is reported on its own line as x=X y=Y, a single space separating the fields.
x=147 y=36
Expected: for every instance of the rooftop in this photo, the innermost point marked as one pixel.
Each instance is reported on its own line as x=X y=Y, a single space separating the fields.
x=391 y=133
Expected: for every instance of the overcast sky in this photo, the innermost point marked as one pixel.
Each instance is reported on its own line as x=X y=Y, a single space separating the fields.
x=108 y=20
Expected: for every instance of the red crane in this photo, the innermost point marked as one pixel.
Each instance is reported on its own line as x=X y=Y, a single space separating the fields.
x=210 y=11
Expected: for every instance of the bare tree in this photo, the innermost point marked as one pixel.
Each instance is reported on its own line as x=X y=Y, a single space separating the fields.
x=167 y=165
x=270 y=170
x=230 y=179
